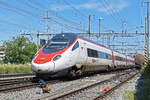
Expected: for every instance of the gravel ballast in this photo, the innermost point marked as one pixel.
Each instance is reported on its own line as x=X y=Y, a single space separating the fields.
x=119 y=93
x=34 y=93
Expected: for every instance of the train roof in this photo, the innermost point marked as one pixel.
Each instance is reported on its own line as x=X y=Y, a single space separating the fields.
x=73 y=36
x=65 y=36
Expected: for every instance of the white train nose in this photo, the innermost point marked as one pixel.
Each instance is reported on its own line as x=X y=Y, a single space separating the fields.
x=43 y=68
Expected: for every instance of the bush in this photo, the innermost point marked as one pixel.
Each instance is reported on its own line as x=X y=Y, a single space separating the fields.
x=143 y=86
x=14 y=69
x=20 y=50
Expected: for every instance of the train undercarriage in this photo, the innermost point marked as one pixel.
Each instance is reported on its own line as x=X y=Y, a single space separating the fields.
x=76 y=72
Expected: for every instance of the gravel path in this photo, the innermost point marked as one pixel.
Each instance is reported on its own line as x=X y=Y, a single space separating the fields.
x=30 y=94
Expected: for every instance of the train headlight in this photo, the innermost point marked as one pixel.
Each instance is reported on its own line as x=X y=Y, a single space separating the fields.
x=56 y=57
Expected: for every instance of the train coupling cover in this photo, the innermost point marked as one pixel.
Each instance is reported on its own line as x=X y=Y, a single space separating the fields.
x=45 y=88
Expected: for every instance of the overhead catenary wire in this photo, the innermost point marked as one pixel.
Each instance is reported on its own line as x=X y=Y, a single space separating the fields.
x=62 y=18
x=13 y=10
x=81 y=14
x=15 y=24
x=18 y=9
x=114 y=10
x=37 y=3
x=110 y=13
x=53 y=13
x=28 y=4
x=68 y=27
x=59 y=16
x=34 y=15
x=119 y=18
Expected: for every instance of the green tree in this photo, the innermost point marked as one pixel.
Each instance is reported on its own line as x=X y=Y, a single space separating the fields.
x=19 y=50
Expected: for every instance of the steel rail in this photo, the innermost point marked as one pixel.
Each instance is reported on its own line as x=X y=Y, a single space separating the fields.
x=103 y=95
x=15 y=75
x=70 y=93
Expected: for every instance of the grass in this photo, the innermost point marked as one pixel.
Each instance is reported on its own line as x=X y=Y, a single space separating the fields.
x=129 y=95
x=14 y=69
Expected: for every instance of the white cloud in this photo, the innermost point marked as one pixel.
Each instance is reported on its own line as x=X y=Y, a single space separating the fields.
x=116 y=5
x=64 y=7
x=89 y=5
x=113 y=7
x=59 y=7
x=122 y=5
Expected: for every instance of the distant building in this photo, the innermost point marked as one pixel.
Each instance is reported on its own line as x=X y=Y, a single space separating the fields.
x=2 y=52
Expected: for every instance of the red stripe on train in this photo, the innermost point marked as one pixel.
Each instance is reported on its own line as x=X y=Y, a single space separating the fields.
x=44 y=58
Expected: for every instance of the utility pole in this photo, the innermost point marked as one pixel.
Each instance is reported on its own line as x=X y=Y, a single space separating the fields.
x=89 y=25
x=147 y=29
x=108 y=41
x=123 y=26
x=47 y=19
x=108 y=37
x=37 y=44
x=100 y=19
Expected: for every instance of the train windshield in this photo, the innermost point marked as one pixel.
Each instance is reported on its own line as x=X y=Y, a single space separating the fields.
x=57 y=44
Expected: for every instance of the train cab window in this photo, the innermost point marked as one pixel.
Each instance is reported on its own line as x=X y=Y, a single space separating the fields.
x=75 y=46
x=57 y=44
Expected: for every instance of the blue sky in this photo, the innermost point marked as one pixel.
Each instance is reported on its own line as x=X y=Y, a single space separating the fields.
x=18 y=16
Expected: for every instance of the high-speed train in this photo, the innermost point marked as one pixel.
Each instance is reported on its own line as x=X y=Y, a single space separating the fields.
x=72 y=55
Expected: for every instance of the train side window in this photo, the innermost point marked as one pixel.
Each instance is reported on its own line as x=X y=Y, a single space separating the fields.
x=75 y=46
x=120 y=58
x=92 y=53
x=107 y=56
x=101 y=54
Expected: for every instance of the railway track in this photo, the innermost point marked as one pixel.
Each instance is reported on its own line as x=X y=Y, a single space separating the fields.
x=6 y=80
x=18 y=87
x=15 y=75
x=74 y=90
x=11 y=84
x=18 y=84
x=105 y=94
x=15 y=81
